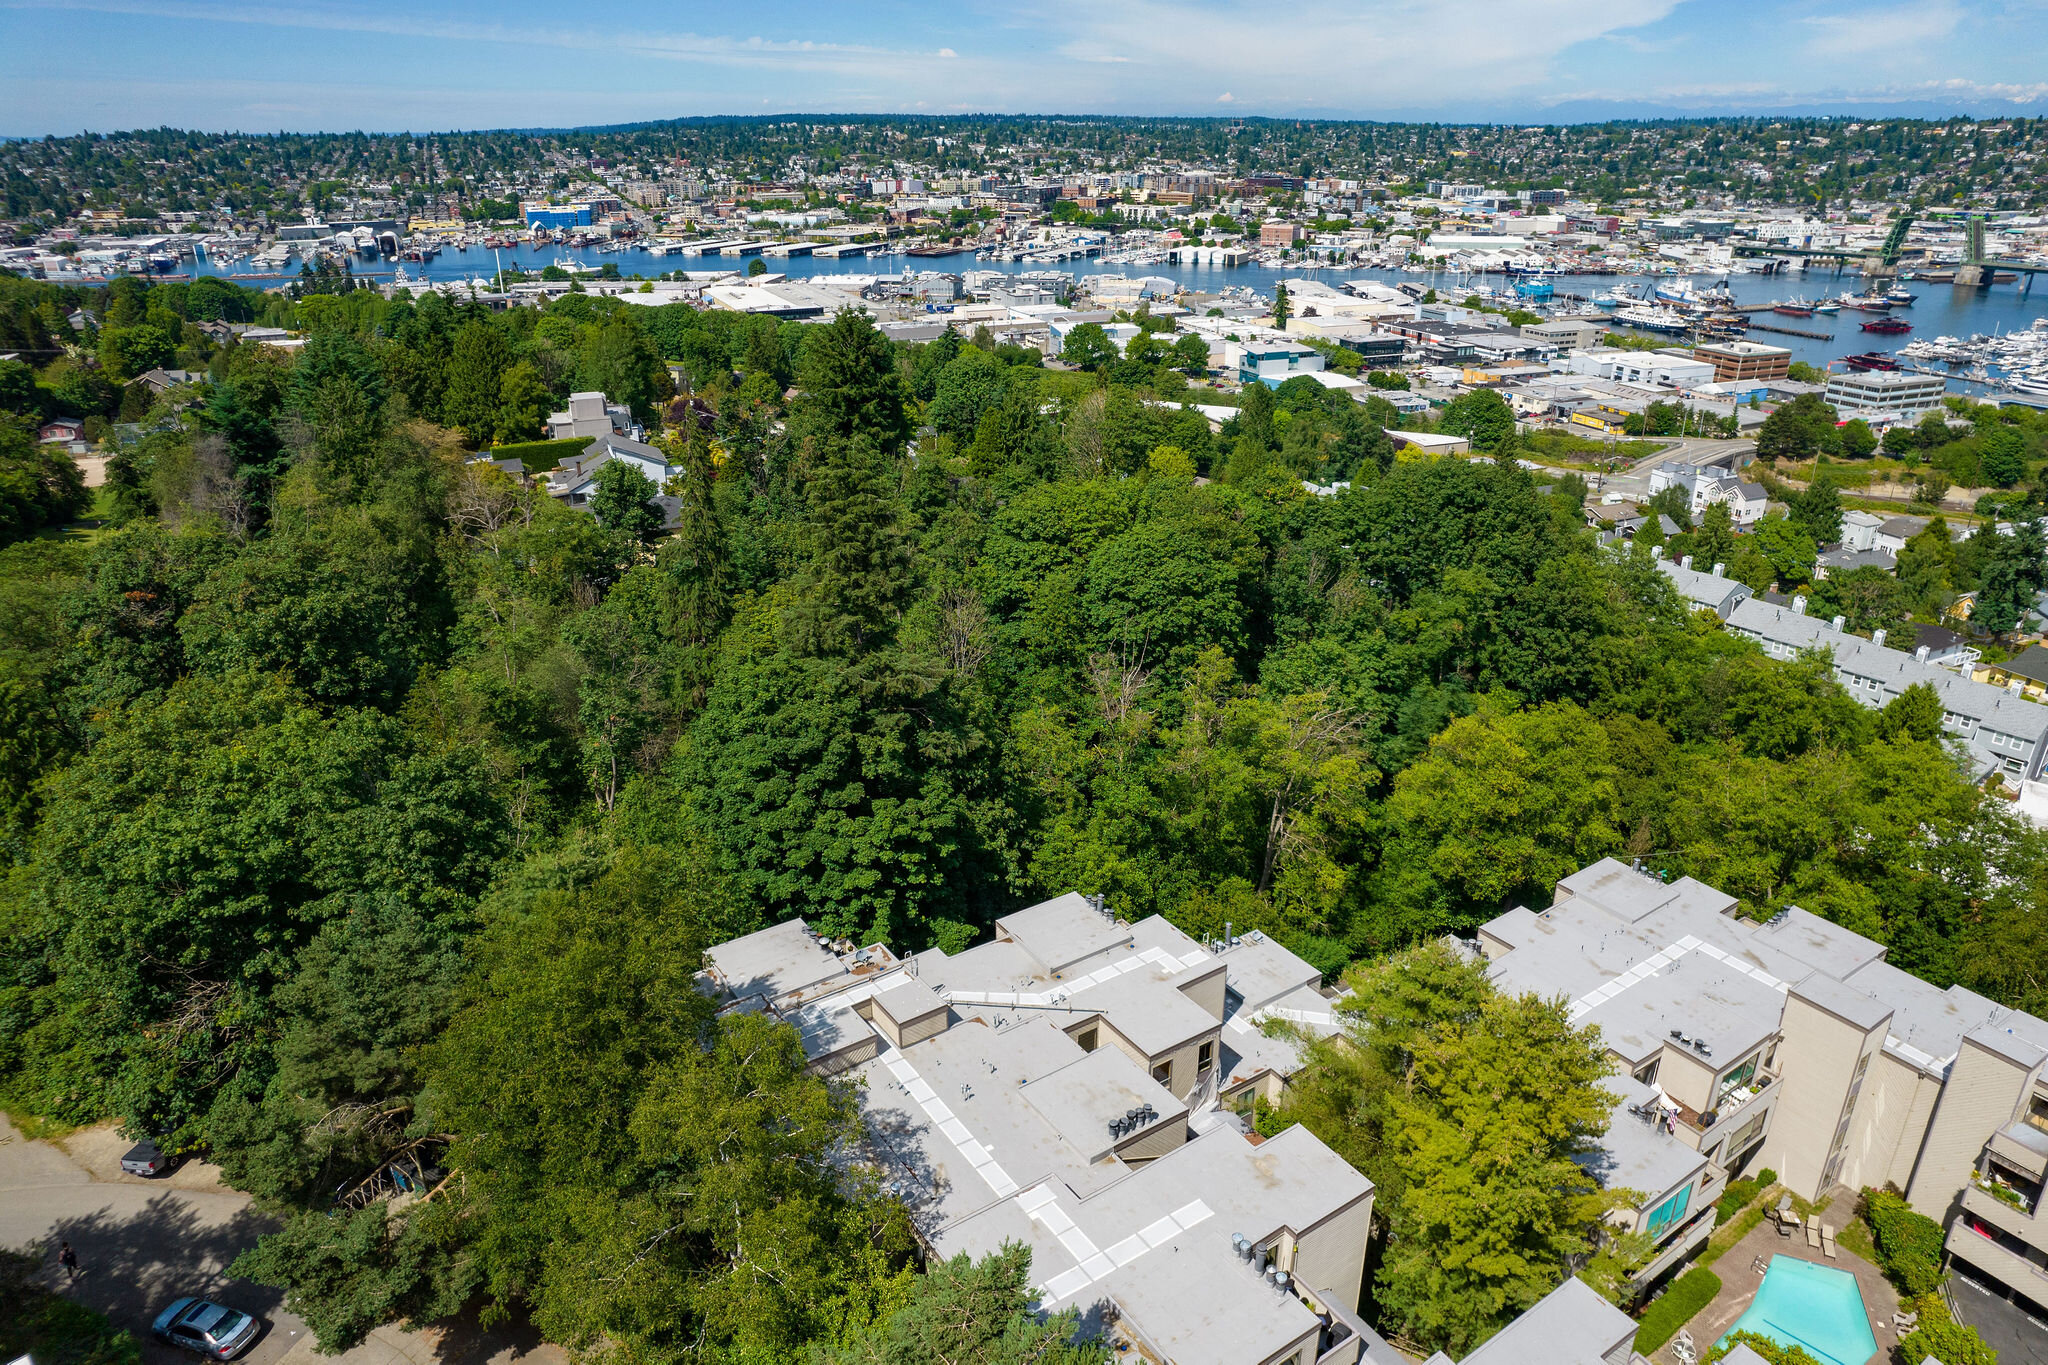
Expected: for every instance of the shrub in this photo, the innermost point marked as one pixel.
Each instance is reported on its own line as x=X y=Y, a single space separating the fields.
x=1739 y=1192
x=1770 y=1350
x=1942 y=1338
x=1735 y=1198
x=1908 y=1243
x=1688 y=1294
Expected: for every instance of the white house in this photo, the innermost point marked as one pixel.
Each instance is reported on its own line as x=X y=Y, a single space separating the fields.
x=574 y=480
x=1708 y=485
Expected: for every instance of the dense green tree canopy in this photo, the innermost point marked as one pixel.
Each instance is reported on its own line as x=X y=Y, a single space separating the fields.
x=362 y=803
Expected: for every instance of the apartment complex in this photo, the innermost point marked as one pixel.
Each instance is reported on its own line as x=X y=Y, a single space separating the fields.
x=1058 y=1086
x=1740 y=361
x=1713 y=591
x=2004 y=732
x=1793 y=1044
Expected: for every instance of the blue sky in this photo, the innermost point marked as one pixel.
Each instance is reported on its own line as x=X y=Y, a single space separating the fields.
x=69 y=65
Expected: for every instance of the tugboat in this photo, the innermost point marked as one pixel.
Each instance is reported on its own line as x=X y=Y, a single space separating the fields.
x=1870 y=360
x=1900 y=297
x=1888 y=326
x=1867 y=303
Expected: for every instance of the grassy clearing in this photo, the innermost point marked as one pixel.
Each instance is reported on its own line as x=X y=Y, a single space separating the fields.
x=1688 y=1294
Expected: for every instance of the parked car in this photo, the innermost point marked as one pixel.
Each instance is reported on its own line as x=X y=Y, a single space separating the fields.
x=145 y=1158
x=209 y=1328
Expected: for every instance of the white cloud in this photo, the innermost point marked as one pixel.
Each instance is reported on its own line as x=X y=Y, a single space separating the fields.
x=522 y=64
x=1900 y=31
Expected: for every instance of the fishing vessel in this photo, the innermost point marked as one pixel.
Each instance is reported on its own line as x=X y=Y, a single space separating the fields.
x=1793 y=308
x=1653 y=319
x=1900 y=298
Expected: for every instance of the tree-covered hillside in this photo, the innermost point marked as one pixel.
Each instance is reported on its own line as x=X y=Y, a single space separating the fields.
x=359 y=799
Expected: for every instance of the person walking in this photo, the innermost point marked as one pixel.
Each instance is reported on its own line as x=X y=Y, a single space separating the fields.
x=68 y=1258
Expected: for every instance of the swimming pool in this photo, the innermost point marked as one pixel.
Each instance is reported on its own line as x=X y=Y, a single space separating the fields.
x=1813 y=1307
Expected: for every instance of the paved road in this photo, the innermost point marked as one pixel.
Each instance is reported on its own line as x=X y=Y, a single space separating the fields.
x=142 y=1243
x=2012 y=1328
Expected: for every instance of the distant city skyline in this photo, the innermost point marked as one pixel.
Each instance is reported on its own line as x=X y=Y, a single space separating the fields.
x=102 y=65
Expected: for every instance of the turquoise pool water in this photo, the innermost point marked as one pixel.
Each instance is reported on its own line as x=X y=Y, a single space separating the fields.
x=1813 y=1307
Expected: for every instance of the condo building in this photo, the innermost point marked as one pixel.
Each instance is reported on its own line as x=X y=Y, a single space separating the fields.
x=1791 y=1043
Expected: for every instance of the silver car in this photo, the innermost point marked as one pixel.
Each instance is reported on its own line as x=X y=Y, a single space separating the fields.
x=206 y=1327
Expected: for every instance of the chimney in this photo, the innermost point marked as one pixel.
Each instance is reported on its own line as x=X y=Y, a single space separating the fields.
x=1717 y=570
x=2015 y=687
x=1837 y=624
x=1685 y=563
x=1877 y=637
x=1920 y=654
x=1799 y=605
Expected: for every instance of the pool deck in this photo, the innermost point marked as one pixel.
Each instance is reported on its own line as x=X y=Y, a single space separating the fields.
x=1739 y=1282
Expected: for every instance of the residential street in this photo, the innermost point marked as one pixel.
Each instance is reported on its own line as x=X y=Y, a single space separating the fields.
x=142 y=1243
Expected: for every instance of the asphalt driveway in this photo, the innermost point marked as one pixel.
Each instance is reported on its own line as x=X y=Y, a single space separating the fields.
x=142 y=1243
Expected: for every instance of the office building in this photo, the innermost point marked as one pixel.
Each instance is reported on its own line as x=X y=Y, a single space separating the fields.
x=1885 y=395
x=1737 y=361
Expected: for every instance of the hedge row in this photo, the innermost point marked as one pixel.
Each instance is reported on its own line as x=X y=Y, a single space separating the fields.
x=1908 y=1243
x=539 y=455
x=1688 y=1294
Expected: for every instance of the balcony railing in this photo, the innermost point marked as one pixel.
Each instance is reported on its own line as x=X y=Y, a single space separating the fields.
x=2006 y=1193
x=1740 y=1103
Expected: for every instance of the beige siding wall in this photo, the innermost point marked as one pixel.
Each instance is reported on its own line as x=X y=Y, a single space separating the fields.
x=917 y=1030
x=1331 y=1255
x=832 y=1063
x=1976 y=1101
x=1207 y=991
x=1183 y=1059
x=1154 y=1141
x=1687 y=1079
x=1891 y=1123
x=1109 y=1037
x=1818 y=1058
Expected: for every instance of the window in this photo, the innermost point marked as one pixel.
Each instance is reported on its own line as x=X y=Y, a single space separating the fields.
x=2037 y=1111
x=1669 y=1212
x=1163 y=1073
x=1747 y=1134
x=1738 y=1076
x=1648 y=1074
x=1205 y=1057
x=1087 y=1040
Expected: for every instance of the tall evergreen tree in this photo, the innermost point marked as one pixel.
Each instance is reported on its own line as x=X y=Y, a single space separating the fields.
x=851 y=384
x=858 y=576
x=476 y=378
